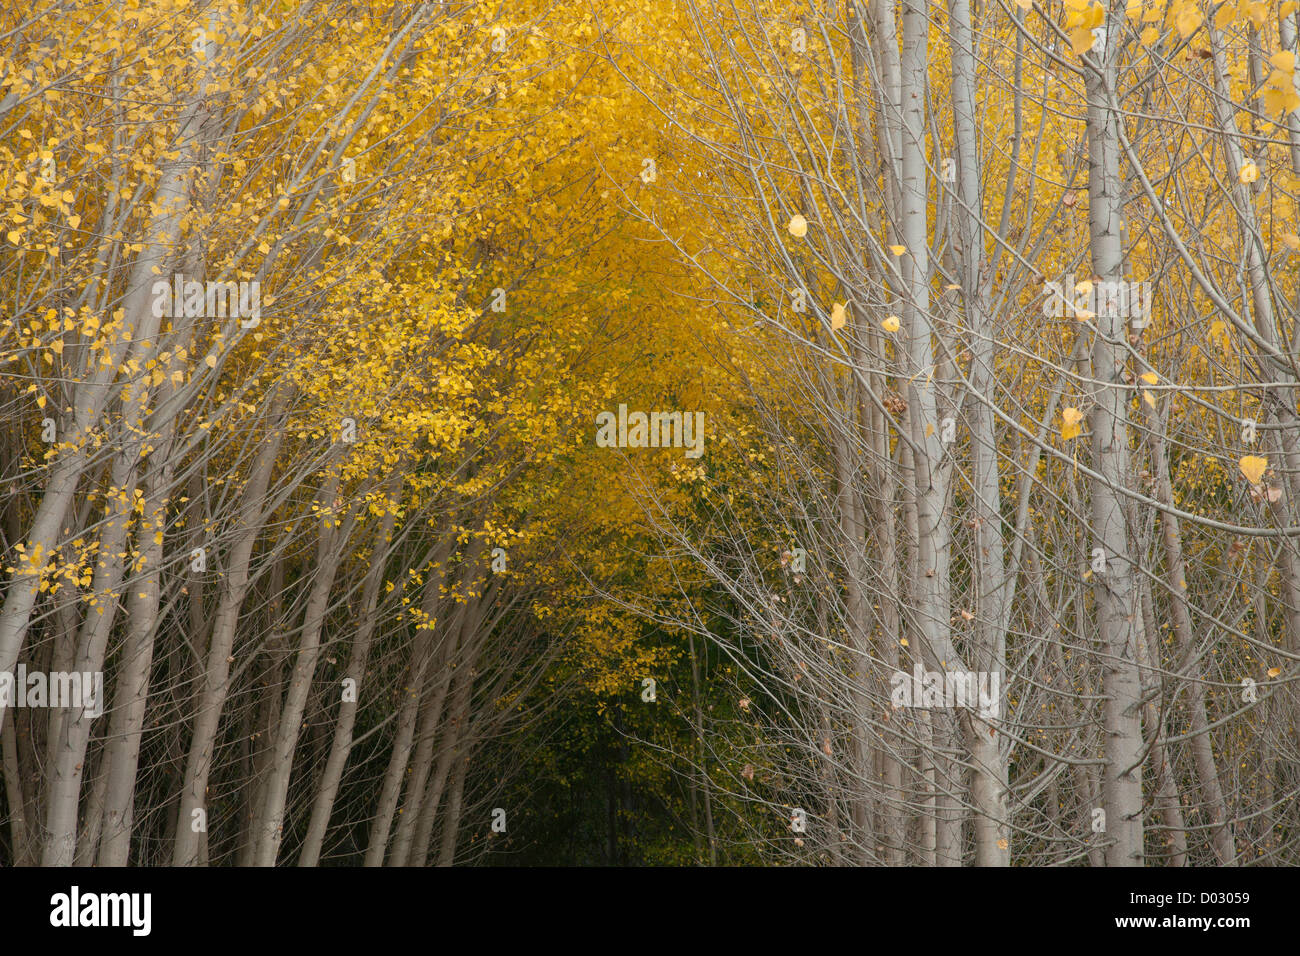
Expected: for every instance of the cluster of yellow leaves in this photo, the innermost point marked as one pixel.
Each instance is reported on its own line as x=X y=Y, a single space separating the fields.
x=1081 y=18
x=1280 y=96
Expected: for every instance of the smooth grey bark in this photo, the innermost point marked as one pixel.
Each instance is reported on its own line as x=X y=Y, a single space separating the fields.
x=413 y=692
x=1207 y=771
x=341 y=744
x=995 y=588
x=453 y=729
x=73 y=733
x=1166 y=793
x=130 y=698
x=411 y=813
x=1116 y=596
x=930 y=482
x=455 y=802
x=170 y=205
x=329 y=553
x=216 y=673
x=14 y=797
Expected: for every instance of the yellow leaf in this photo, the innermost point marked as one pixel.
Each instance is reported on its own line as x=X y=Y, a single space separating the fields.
x=1071 y=417
x=1252 y=466
x=1280 y=100
x=1148 y=398
x=1258 y=13
x=1150 y=377
x=1188 y=19
x=1227 y=13
x=1284 y=61
x=903 y=641
x=898 y=250
x=798 y=226
x=1274 y=671
x=1292 y=241
x=890 y=324
x=1081 y=40
x=1149 y=36
x=837 y=317
x=1248 y=173
x=211 y=361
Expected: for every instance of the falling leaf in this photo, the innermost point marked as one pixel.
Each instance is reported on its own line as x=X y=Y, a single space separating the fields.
x=1252 y=466
x=891 y=324
x=1002 y=844
x=898 y=250
x=1150 y=377
x=837 y=317
x=1292 y=241
x=1274 y=671
x=798 y=226
x=1148 y=398
x=903 y=641
x=1249 y=173
x=1071 y=417
x=1219 y=331
x=211 y=361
